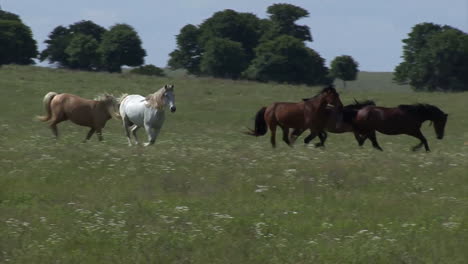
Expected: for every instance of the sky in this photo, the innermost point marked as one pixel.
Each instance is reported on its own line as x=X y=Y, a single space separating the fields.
x=368 y=30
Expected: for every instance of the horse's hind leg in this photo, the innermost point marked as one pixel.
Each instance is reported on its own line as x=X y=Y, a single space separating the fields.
x=373 y=139
x=126 y=124
x=286 y=136
x=134 y=130
x=421 y=137
x=54 y=122
x=273 y=136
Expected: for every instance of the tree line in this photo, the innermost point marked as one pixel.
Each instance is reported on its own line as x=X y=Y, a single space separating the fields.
x=239 y=45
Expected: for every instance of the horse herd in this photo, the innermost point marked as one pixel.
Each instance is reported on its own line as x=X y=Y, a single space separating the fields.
x=318 y=114
x=325 y=112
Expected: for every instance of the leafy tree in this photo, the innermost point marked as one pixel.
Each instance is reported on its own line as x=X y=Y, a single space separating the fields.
x=344 y=68
x=283 y=18
x=121 y=45
x=224 y=58
x=61 y=37
x=4 y=15
x=287 y=59
x=188 y=52
x=89 y=28
x=149 y=69
x=82 y=52
x=435 y=58
x=16 y=42
x=244 y=28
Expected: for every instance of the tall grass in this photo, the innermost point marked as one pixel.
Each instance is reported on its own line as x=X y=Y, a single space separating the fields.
x=206 y=193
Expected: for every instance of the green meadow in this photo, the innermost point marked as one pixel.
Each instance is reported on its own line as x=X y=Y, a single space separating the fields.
x=207 y=193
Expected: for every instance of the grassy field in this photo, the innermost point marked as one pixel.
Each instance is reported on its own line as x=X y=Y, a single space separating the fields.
x=206 y=193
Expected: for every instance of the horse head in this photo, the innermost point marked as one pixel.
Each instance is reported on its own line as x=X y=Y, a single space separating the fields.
x=169 y=97
x=331 y=97
x=439 y=121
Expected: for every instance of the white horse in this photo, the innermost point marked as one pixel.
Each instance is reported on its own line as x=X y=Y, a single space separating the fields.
x=137 y=111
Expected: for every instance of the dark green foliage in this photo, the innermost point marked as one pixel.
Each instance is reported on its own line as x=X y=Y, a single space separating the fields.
x=16 y=42
x=283 y=18
x=344 y=68
x=121 y=45
x=228 y=42
x=61 y=37
x=223 y=58
x=229 y=24
x=188 y=52
x=435 y=58
x=149 y=69
x=89 y=28
x=287 y=60
x=4 y=15
x=82 y=52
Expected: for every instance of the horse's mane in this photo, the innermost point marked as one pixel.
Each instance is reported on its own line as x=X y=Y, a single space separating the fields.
x=359 y=105
x=105 y=98
x=156 y=100
x=111 y=104
x=421 y=109
x=329 y=88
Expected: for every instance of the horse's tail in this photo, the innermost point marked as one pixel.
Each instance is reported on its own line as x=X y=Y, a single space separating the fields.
x=119 y=102
x=46 y=102
x=260 y=124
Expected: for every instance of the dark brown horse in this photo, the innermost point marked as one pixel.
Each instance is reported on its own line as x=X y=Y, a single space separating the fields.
x=404 y=119
x=83 y=112
x=310 y=114
x=338 y=122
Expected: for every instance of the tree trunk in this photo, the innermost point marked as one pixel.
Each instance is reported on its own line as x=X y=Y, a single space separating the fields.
x=344 y=84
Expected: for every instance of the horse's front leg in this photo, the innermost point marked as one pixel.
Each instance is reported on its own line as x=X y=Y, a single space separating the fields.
x=359 y=138
x=323 y=137
x=99 y=133
x=418 y=134
x=295 y=134
x=373 y=139
x=152 y=134
x=310 y=137
x=90 y=133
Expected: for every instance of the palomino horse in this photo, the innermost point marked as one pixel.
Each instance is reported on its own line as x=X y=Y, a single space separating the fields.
x=83 y=112
x=338 y=122
x=310 y=114
x=404 y=119
x=137 y=111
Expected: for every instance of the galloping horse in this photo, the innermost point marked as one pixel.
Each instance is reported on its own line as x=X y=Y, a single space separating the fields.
x=338 y=122
x=137 y=111
x=404 y=119
x=310 y=114
x=83 y=112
